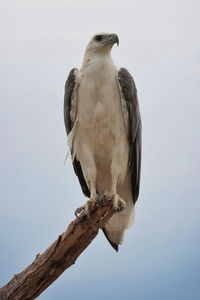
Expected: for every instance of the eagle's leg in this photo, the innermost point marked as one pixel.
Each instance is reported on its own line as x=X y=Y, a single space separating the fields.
x=117 y=159
x=87 y=207
x=90 y=174
x=118 y=203
x=92 y=200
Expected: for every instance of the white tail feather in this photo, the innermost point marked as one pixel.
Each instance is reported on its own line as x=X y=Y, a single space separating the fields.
x=118 y=223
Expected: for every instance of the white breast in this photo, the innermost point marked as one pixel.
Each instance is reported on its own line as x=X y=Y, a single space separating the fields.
x=99 y=106
x=100 y=121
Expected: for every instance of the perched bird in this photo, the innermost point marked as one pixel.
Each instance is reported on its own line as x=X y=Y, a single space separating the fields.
x=103 y=124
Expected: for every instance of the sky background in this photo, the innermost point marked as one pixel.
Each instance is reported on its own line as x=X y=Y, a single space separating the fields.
x=160 y=45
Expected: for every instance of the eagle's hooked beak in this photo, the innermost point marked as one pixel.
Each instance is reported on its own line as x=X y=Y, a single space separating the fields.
x=117 y=40
x=112 y=39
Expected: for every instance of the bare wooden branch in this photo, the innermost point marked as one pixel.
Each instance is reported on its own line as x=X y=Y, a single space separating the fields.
x=48 y=266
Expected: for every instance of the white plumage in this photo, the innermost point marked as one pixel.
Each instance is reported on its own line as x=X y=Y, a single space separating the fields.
x=99 y=138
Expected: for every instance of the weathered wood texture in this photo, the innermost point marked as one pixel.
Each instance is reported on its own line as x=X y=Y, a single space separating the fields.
x=48 y=266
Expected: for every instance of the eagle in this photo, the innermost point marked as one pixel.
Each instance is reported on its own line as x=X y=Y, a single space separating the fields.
x=103 y=124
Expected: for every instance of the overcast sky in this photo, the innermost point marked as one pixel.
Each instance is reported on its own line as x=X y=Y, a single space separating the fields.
x=160 y=45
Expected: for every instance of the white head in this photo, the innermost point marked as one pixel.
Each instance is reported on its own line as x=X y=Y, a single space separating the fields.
x=101 y=43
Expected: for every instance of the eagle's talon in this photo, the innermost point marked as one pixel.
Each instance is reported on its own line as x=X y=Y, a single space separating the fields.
x=118 y=203
x=86 y=208
x=120 y=208
x=100 y=200
x=78 y=211
x=76 y=214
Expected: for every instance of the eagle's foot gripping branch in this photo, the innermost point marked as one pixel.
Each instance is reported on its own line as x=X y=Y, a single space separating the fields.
x=86 y=208
x=118 y=203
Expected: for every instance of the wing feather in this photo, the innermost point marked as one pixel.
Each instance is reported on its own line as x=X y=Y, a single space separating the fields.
x=70 y=104
x=133 y=123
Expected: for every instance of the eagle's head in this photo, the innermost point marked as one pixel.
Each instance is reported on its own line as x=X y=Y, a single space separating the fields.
x=102 y=42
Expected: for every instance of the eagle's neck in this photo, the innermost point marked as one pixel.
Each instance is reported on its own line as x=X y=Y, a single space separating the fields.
x=97 y=62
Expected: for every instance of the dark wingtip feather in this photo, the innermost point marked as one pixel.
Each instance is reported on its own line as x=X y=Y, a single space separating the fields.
x=115 y=246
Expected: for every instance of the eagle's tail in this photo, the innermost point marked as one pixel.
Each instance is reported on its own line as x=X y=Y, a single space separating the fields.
x=115 y=228
x=115 y=246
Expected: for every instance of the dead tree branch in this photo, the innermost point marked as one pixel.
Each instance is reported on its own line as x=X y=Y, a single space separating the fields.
x=48 y=266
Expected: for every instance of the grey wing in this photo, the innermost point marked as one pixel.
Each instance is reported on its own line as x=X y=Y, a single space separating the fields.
x=70 y=103
x=133 y=123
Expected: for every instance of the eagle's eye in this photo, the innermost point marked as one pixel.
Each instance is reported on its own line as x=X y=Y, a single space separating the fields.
x=98 y=38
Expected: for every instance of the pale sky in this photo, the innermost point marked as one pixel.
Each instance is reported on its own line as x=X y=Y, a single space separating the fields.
x=160 y=45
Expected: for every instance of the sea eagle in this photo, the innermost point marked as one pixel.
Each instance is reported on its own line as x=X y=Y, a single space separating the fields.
x=103 y=125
